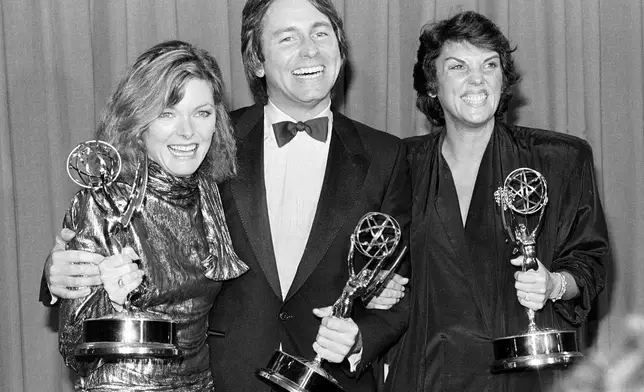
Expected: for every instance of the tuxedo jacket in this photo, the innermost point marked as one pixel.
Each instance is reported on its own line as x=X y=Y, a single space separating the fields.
x=366 y=171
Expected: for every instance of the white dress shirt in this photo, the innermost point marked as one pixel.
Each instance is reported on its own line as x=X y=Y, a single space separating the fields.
x=293 y=175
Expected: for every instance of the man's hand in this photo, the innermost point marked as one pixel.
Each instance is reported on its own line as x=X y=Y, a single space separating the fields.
x=392 y=293
x=70 y=273
x=336 y=336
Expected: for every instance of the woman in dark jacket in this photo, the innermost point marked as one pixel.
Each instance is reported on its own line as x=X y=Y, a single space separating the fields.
x=468 y=288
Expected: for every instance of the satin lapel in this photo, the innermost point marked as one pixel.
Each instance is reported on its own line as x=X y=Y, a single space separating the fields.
x=346 y=170
x=249 y=193
x=446 y=205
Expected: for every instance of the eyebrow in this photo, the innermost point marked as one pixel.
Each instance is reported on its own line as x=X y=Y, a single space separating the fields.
x=196 y=107
x=291 y=29
x=278 y=32
x=495 y=56
x=322 y=24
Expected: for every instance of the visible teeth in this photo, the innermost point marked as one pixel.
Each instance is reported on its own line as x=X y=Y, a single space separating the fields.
x=182 y=149
x=308 y=72
x=474 y=99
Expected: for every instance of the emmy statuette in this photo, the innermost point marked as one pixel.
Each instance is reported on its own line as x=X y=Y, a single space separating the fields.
x=376 y=236
x=132 y=333
x=524 y=195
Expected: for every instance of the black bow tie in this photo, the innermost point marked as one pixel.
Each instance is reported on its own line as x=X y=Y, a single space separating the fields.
x=317 y=128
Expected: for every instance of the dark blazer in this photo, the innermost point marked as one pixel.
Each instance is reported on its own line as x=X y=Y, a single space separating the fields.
x=366 y=171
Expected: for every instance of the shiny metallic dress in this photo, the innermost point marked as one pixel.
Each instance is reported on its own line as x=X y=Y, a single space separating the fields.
x=185 y=249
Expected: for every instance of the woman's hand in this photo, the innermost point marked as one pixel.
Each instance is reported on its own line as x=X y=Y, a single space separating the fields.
x=534 y=288
x=120 y=275
x=393 y=292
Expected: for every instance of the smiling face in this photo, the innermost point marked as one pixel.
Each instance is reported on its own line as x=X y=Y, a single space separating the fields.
x=469 y=84
x=179 y=139
x=301 y=56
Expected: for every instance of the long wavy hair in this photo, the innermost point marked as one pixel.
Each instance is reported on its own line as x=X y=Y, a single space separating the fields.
x=156 y=81
x=251 y=40
x=470 y=27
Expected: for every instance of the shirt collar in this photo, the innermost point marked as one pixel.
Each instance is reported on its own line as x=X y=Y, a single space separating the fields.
x=275 y=114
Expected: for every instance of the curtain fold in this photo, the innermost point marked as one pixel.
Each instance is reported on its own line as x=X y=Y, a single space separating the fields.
x=581 y=61
x=622 y=142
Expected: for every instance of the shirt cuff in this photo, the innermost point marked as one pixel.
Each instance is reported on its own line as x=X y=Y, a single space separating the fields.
x=54 y=298
x=354 y=360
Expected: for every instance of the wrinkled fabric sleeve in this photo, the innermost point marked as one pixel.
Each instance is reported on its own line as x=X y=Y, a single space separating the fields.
x=87 y=220
x=582 y=238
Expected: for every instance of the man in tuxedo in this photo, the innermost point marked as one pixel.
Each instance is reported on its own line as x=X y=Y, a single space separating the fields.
x=307 y=174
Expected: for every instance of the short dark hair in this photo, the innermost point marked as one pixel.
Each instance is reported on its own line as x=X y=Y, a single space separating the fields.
x=156 y=81
x=470 y=27
x=251 y=40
